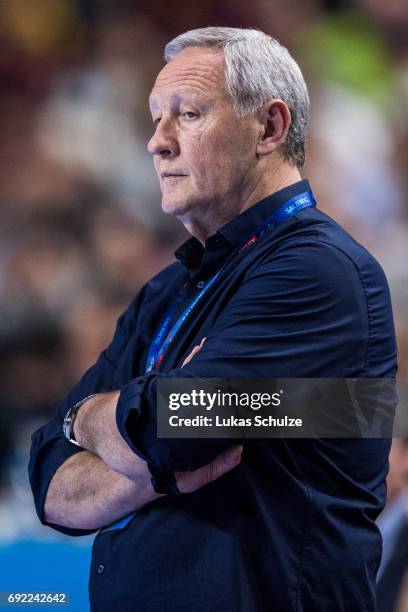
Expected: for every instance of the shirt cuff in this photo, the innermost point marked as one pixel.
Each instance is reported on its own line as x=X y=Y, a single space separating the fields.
x=47 y=455
x=136 y=418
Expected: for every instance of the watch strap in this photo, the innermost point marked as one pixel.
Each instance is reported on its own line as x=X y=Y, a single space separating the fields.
x=69 y=420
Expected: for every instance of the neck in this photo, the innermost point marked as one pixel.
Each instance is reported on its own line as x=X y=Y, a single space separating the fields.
x=203 y=224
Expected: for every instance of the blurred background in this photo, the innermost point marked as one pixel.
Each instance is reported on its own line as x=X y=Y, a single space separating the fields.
x=81 y=228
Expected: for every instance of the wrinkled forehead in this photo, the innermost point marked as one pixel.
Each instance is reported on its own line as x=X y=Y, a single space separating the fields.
x=196 y=69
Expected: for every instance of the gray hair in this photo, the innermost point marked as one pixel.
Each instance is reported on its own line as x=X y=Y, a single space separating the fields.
x=258 y=68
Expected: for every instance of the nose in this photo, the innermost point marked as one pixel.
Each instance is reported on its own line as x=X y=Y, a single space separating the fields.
x=164 y=140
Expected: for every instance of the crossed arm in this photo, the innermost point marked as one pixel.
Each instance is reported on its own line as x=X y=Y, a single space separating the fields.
x=108 y=480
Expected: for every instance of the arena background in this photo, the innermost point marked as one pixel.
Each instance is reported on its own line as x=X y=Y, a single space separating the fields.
x=81 y=228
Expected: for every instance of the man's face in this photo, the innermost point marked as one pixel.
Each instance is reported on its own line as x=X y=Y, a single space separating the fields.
x=203 y=153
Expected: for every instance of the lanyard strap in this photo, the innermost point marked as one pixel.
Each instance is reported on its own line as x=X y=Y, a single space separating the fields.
x=165 y=336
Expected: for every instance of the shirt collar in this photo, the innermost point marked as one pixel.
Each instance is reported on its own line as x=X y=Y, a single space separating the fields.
x=235 y=232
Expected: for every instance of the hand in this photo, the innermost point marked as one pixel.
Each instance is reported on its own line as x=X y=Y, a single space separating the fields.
x=187 y=482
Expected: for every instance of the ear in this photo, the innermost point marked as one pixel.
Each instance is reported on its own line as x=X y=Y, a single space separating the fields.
x=276 y=119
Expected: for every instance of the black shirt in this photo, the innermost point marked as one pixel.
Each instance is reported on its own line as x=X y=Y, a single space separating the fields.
x=292 y=528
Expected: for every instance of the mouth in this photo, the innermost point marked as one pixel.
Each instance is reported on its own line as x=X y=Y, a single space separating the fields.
x=171 y=175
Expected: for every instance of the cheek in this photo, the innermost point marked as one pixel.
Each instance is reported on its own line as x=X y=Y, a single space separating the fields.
x=211 y=157
x=232 y=150
x=210 y=169
x=220 y=155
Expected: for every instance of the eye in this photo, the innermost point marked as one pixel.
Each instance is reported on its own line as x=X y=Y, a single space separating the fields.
x=189 y=115
x=156 y=121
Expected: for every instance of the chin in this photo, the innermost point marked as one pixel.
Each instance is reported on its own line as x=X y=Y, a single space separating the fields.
x=175 y=207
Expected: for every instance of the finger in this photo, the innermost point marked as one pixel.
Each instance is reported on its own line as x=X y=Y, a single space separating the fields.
x=187 y=482
x=225 y=462
x=190 y=356
x=193 y=352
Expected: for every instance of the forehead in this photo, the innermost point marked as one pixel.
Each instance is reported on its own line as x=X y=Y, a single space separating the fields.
x=195 y=70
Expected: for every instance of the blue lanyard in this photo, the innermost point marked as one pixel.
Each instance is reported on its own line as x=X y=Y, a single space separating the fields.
x=165 y=336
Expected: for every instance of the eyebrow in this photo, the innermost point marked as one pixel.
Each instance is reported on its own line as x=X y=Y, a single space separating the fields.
x=153 y=103
x=174 y=98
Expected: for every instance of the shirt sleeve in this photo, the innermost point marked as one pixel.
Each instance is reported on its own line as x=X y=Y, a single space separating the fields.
x=49 y=448
x=300 y=314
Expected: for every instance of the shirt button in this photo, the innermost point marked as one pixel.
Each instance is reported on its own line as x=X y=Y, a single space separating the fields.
x=201 y=284
x=101 y=568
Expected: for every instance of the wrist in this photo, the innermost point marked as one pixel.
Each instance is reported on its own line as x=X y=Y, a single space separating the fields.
x=70 y=419
x=95 y=424
x=78 y=426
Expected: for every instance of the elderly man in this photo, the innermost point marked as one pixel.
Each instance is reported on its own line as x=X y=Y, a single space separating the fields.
x=268 y=286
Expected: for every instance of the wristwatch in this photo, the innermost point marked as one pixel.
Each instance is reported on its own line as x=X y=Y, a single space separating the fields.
x=69 y=420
